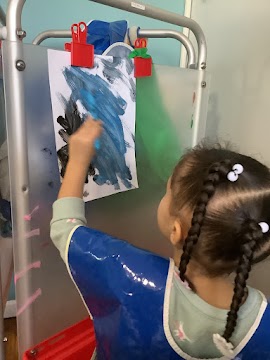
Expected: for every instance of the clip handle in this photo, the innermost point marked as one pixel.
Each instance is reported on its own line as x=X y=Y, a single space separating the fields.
x=82 y=32
x=79 y=32
x=74 y=33
x=140 y=43
x=82 y=54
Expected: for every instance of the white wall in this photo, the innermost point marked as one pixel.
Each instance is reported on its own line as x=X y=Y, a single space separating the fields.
x=238 y=37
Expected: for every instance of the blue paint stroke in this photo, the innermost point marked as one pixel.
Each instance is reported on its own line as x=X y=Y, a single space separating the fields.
x=97 y=98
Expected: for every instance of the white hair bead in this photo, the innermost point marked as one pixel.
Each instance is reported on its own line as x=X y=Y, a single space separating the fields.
x=264 y=226
x=233 y=175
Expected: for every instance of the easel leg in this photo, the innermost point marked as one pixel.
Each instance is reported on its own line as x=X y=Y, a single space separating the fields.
x=2 y=349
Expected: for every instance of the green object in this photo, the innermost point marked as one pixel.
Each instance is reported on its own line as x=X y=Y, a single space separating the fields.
x=139 y=52
x=158 y=148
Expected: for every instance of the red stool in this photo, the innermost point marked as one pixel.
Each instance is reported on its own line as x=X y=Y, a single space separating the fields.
x=75 y=343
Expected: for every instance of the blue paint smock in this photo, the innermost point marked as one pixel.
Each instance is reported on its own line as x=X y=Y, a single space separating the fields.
x=102 y=34
x=127 y=292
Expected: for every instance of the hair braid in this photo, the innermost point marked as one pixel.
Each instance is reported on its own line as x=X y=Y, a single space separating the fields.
x=251 y=238
x=216 y=172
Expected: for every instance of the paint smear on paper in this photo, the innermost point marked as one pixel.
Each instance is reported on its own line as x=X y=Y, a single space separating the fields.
x=96 y=97
x=108 y=93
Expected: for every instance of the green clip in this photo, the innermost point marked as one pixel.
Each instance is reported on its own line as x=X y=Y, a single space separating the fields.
x=139 y=52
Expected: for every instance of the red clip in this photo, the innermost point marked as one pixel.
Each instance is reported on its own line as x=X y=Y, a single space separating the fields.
x=82 y=54
x=142 y=66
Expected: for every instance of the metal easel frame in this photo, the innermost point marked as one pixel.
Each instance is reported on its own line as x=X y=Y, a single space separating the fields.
x=191 y=55
x=166 y=16
x=14 y=66
x=2 y=350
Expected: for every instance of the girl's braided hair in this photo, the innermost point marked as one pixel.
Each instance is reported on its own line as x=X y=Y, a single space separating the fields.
x=224 y=236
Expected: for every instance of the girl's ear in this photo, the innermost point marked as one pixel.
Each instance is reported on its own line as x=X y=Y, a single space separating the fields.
x=176 y=235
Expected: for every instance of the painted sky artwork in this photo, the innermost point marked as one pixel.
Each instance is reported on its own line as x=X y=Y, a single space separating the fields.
x=108 y=93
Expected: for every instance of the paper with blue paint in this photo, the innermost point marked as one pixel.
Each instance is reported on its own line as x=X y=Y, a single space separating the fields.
x=108 y=93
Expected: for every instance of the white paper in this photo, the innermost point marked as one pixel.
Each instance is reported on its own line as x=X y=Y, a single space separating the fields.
x=104 y=91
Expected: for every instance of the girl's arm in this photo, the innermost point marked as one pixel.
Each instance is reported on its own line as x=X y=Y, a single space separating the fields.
x=69 y=210
x=81 y=152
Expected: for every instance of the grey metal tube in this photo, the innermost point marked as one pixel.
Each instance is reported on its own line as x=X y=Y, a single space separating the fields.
x=57 y=34
x=162 y=15
x=18 y=161
x=2 y=16
x=142 y=33
x=14 y=18
x=2 y=349
x=3 y=33
x=173 y=34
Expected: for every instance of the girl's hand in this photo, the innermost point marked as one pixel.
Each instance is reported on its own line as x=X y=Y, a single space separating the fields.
x=81 y=151
x=82 y=142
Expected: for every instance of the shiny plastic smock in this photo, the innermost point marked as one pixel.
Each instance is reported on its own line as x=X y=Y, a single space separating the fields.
x=126 y=291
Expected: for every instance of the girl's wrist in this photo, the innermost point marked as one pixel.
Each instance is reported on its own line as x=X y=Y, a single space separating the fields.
x=78 y=165
x=73 y=182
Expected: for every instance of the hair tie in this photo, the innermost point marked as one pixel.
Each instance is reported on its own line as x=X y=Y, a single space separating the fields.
x=225 y=347
x=237 y=169
x=264 y=226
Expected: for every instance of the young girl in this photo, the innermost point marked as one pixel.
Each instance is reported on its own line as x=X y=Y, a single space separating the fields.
x=216 y=214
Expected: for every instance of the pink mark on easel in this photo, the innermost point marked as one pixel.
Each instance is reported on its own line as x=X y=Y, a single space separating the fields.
x=35 y=265
x=45 y=244
x=32 y=233
x=29 y=301
x=28 y=217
